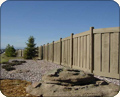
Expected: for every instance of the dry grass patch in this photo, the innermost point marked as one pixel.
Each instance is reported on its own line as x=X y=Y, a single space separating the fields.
x=14 y=88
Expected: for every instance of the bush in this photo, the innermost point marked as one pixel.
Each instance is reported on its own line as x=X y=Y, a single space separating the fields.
x=15 y=61
x=18 y=62
x=5 y=62
x=10 y=51
x=8 y=67
x=12 y=64
x=23 y=61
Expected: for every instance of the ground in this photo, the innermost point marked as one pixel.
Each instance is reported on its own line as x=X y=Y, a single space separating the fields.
x=25 y=75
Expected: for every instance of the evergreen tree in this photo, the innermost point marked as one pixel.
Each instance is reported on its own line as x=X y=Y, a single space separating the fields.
x=30 y=50
x=10 y=51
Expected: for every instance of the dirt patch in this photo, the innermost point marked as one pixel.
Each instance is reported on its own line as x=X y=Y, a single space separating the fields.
x=14 y=88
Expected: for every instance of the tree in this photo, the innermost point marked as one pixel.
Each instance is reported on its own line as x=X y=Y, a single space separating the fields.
x=30 y=50
x=10 y=51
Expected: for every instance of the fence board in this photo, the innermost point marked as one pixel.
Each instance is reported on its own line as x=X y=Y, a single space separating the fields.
x=105 y=52
x=97 y=53
x=114 y=53
x=88 y=51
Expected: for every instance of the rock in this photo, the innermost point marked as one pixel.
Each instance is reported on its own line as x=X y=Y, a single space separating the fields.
x=69 y=82
x=22 y=71
x=13 y=71
x=29 y=88
x=27 y=94
x=36 y=84
x=70 y=76
x=101 y=82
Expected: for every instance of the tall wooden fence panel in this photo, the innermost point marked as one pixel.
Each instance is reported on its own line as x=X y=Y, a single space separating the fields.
x=46 y=52
x=81 y=51
x=43 y=52
x=40 y=52
x=57 y=52
x=106 y=52
x=66 y=51
x=50 y=51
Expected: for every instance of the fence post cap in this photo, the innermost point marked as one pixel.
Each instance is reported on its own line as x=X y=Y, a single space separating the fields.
x=91 y=27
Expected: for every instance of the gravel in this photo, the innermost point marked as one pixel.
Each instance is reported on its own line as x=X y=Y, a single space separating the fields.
x=30 y=71
x=34 y=70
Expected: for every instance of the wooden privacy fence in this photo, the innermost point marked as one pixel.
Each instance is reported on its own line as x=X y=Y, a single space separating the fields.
x=20 y=53
x=95 y=51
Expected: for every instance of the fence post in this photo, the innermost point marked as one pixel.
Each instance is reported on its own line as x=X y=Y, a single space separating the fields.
x=91 y=49
x=40 y=52
x=37 y=51
x=71 y=50
x=44 y=51
x=47 y=51
x=53 y=52
x=60 y=50
x=21 y=53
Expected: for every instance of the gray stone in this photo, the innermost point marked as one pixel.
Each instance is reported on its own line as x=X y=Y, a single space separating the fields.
x=101 y=82
x=36 y=84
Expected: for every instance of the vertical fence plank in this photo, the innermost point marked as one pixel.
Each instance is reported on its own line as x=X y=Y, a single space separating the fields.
x=60 y=50
x=91 y=49
x=88 y=52
x=53 y=51
x=105 y=52
x=119 y=53
x=71 y=50
x=97 y=53
x=114 y=53
x=47 y=51
x=78 y=50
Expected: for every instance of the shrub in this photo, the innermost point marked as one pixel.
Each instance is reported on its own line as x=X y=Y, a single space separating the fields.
x=5 y=62
x=12 y=64
x=15 y=61
x=23 y=61
x=10 y=51
x=8 y=67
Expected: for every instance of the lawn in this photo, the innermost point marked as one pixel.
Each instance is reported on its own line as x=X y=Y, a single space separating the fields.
x=4 y=58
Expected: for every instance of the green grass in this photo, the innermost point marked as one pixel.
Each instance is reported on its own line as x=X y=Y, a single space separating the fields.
x=4 y=58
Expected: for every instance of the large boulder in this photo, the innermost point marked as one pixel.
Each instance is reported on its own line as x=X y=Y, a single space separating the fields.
x=70 y=82
x=68 y=76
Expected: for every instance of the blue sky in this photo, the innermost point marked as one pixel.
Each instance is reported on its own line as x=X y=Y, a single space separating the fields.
x=52 y=20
